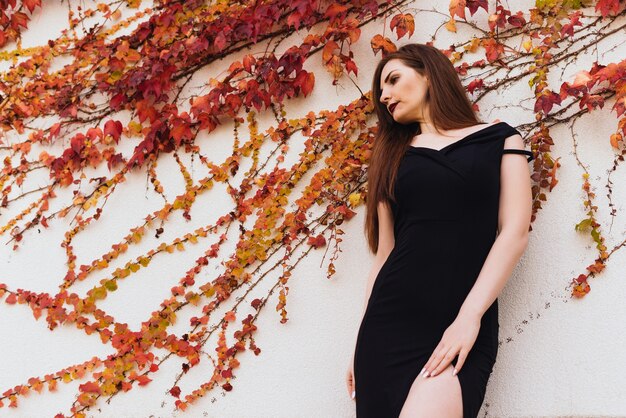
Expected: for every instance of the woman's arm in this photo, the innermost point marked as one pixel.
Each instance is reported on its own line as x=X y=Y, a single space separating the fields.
x=514 y=216
x=513 y=222
x=386 y=242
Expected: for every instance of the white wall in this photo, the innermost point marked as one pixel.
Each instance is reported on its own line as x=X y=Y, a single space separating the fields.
x=559 y=356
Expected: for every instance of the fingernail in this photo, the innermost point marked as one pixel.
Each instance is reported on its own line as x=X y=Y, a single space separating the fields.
x=353 y=394
x=454 y=372
x=427 y=374
x=423 y=370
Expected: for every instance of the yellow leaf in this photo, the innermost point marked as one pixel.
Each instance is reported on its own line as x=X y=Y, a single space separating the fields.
x=209 y=292
x=354 y=199
x=99 y=293
x=135 y=127
x=111 y=285
x=451 y=25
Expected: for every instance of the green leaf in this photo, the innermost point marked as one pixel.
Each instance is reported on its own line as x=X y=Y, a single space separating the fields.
x=583 y=225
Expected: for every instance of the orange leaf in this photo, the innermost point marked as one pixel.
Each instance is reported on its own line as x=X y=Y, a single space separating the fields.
x=615 y=140
x=457 y=8
x=11 y=299
x=143 y=380
x=31 y=4
x=403 y=23
x=89 y=387
x=329 y=51
x=378 y=43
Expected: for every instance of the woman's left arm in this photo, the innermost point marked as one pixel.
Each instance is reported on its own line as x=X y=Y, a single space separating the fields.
x=514 y=216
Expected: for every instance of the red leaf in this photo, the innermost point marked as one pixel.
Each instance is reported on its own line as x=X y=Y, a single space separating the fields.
x=335 y=10
x=77 y=143
x=248 y=62
x=294 y=20
x=113 y=128
x=181 y=131
x=581 y=278
x=230 y=316
x=306 y=81
x=518 y=21
x=351 y=66
x=89 y=387
x=403 y=23
x=143 y=380
x=19 y=19
x=317 y=242
x=31 y=4
x=94 y=133
x=220 y=41
x=11 y=299
x=117 y=100
x=114 y=160
x=607 y=6
x=475 y=84
x=54 y=130
x=175 y=391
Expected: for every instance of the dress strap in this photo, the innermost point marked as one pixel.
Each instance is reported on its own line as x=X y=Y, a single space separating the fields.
x=519 y=151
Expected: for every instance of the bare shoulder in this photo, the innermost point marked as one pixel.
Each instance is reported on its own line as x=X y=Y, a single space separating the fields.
x=514 y=141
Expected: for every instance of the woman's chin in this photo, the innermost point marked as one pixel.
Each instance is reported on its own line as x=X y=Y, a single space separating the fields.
x=401 y=120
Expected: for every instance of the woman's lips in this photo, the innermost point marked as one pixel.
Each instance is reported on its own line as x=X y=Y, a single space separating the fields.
x=392 y=107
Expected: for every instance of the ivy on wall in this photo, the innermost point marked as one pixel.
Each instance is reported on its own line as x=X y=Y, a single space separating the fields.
x=125 y=85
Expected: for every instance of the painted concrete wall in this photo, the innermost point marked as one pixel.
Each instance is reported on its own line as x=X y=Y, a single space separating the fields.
x=558 y=357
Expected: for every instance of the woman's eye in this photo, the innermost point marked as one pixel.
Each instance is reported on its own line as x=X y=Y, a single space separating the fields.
x=393 y=79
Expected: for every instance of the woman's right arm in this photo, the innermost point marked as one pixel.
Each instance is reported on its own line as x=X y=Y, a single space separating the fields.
x=386 y=242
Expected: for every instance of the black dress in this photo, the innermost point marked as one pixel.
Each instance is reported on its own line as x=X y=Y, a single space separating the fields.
x=445 y=222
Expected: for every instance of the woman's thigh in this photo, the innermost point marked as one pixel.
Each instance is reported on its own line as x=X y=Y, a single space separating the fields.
x=438 y=396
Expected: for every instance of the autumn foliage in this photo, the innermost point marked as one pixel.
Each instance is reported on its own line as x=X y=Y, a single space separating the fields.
x=124 y=99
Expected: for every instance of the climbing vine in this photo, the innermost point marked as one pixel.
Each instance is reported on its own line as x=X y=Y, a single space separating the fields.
x=124 y=86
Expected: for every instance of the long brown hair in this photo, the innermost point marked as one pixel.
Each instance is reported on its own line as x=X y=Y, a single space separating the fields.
x=449 y=108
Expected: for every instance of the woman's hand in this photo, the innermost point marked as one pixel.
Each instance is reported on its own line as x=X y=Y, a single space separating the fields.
x=459 y=338
x=350 y=378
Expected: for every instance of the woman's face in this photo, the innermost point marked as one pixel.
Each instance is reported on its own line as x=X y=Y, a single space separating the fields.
x=403 y=92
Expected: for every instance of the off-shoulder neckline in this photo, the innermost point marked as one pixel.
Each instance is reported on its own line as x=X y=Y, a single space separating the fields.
x=465 y=138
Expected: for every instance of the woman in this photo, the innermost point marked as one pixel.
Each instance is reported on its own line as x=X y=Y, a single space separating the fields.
x=448 y=216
